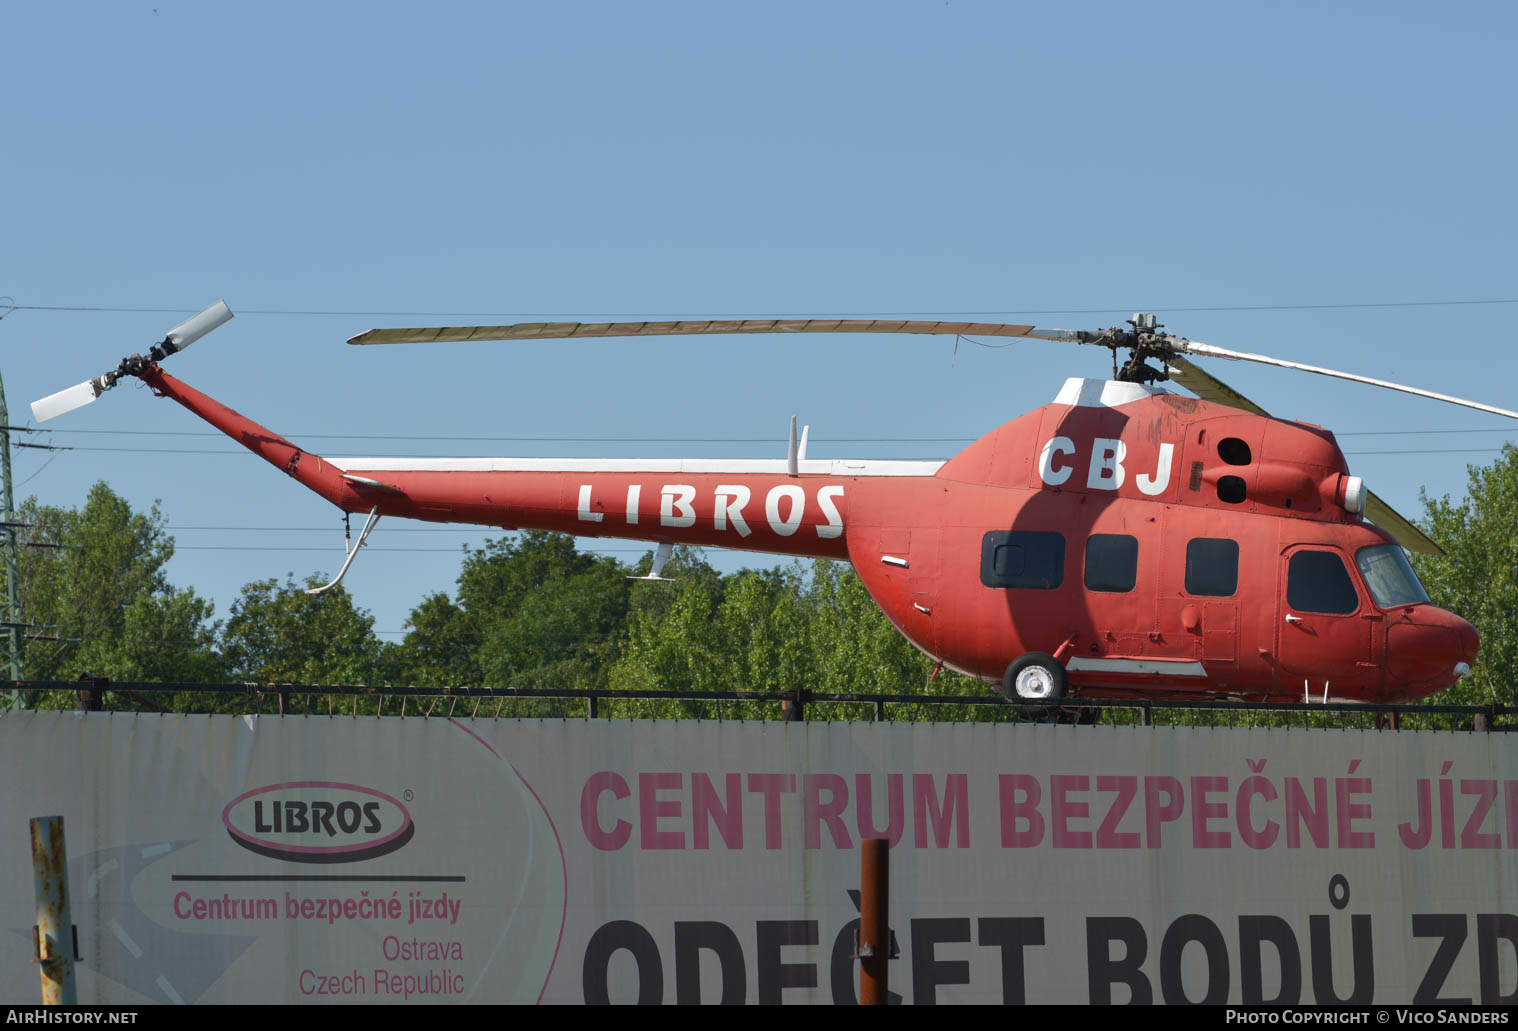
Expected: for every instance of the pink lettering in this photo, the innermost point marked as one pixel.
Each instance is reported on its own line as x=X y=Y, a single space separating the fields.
x=590 y=798
x=1013 y=811
x=1300 y=813
x=927 y=810
x=651 y=809
x=770 y=785
x=815 y=812
x=864 y=814
x=1157 y=815
x=1062 y=810
x=1486 y=793
x=1203 y=812
x=1107 y=835
x=1348 y=811
x=707 y=809
x=1243 y=807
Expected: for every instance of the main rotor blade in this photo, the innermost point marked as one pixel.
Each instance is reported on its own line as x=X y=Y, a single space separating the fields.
x=1209 y=388
x=686 y=327
x=1400 y=528
x=1192 y=347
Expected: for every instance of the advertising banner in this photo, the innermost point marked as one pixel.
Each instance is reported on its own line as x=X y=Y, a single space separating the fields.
x=425 y=860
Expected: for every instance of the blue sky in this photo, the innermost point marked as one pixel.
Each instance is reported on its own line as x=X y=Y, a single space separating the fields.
x=1245 y=171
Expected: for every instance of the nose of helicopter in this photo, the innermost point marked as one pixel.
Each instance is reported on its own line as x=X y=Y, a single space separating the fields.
x=1427 y=650
x=1470 y=641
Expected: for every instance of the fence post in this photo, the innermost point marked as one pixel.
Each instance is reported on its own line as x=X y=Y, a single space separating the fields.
x=793 y=709
x=874 y=920
x=55 y=925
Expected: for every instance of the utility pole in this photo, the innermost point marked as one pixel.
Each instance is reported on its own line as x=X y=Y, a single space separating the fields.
x=12 y=620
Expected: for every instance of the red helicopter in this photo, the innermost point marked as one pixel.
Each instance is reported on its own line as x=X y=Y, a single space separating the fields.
x=1122 y=540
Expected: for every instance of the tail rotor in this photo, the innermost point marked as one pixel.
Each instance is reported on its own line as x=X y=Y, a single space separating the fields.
x=176 y=340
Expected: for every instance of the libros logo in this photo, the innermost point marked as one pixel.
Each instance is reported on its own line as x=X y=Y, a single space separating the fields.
x=318 y=822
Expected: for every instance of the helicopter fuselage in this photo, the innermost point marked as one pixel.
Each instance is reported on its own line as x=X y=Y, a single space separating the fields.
x=1152 y=544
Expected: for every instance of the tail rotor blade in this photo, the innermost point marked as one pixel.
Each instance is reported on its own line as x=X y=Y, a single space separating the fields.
x=65 y=400
x=192 y=329
x=176 y=340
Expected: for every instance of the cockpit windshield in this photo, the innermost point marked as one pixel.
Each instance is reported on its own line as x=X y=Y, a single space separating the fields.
x=1389 y=576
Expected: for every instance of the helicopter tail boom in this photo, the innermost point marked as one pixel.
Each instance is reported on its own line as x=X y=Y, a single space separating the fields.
x=310 y=470
x=790 y=506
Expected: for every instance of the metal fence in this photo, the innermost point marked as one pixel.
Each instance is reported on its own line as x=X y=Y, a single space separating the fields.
x=402 y=700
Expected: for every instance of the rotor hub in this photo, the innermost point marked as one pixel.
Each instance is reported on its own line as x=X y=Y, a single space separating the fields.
x=1144 y=341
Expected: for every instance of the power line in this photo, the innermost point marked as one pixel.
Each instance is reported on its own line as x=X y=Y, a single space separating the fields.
x=650 y=316
x=538 y=439
x=478 y=528
x=369 y=548
x=515 y=439
x=249 y=454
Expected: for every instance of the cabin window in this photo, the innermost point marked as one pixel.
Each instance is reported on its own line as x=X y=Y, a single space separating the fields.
x=1234 y=451
x=1389 y=576
x=1316 y=581
x=1022 y=558
x=1212 y=567
x=1232 y=490
x=1111 y=562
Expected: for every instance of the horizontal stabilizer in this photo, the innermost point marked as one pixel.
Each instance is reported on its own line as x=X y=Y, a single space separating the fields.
x=365 y=483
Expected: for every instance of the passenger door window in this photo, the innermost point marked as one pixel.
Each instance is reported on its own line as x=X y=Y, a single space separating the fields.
x=1111 y=562
x=1212 y=567
x=1022 y=558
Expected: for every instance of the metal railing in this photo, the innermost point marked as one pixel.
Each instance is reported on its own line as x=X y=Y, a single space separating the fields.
x=291 y=699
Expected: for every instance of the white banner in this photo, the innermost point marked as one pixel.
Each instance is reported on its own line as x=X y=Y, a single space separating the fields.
x=290 y=859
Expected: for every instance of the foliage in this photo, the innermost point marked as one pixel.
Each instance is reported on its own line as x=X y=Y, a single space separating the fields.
x=93 y=589
x=1477 y=576
x=282 y=635
x=531 y=612
x=772 y=631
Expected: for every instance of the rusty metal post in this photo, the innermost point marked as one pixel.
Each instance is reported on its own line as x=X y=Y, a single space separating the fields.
x=874 y=920
x=55 y=924
x=793 y=709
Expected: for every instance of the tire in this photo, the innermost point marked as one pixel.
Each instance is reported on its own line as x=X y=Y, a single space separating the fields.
x=1033 y=678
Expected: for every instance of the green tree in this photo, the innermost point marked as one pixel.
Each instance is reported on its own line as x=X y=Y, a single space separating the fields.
x=282 y=635
x=439 y=647
x=94 y=580
x=778 y=630
x=532 y=612
x=1477 y=577
x=860 y=652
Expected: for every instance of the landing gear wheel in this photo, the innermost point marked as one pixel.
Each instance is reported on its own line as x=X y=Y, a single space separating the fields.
x=1035 y=677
